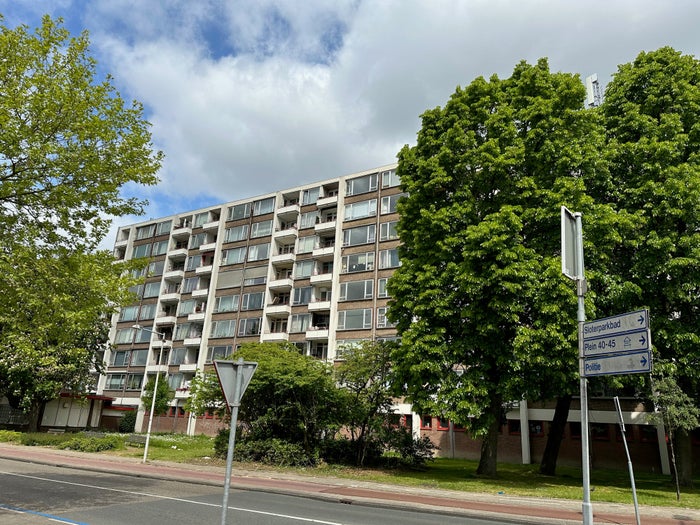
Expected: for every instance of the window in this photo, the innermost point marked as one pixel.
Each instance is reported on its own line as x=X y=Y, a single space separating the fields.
x=356 y=290
x=189 y=284
x=600 y=432
x=197 y=240
x=151 y=289
x=155 y=268
x=514 y=427
x=187 y=307
x=218 y=352
x=159 y=248
x=164 y=227
x=121 y=358
x=178 y=356
x=443 y=423
x=201 y=219
x=575 y=430
x=258 y=252
x=382 y=321
x=389 y=203
x=426 y=422
x=121 y=381
x=358 y=262
x=303 y=269
x=250 y=326
x=390 y=179
x=310 y=196
x=230 y=279
x=223 y=328
x=193 y=262
x=381 y=288
x=300 y=323
x=148 y=311
x=355 y=319
x=252 y=301
x=261 y=229
x=139 y=357
x=536 y=428
x=308 y=219
x=233 y=256
x=175 y=380
x=226 y=303
x=306 y=244
x=389 y=258
x=361 y=184
x=359 y=235
x=237 y=233
x=128 y=313
x=188 y=331
x=302 y=295
x=387 y=231
x=359 y=210
x=255 y=275
x=144 y=232
x=239 y=211
x=264 y=206
x=142 y=250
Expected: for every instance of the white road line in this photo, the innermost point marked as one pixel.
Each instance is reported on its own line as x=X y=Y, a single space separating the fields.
x=50 y=517
x=286 y=516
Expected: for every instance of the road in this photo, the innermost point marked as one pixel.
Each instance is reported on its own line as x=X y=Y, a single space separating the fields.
x=45 y=495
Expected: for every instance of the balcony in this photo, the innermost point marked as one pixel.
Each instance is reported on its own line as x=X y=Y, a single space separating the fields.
x=178 y=254
x=288 y=212
x=327 y=202
x=188 y=367
x=165 y=320
x=202 y=292
x=281 y=284
x=283 y=258
x=157 y=369
x=210 y=226
x=174 y=275
x=278 y=310
x=275 y=336
x=285 y=236
x=323 y=253
x=170 y=296
x=182 y=231
x=197 y=317
x=203 y=270
x=182 y=393
x=322 y=278
x=316 y=306
x=207 y=247
x=193 y=341
x=316 y=334
x=322 y=227
x=121 y=243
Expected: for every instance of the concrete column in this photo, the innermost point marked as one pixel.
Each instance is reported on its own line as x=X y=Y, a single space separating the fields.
x=524 y=433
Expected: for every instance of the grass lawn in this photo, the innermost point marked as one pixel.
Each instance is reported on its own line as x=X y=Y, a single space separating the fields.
x=607 y=485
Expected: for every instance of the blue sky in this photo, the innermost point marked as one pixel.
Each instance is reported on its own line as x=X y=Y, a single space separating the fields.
x=250 y=96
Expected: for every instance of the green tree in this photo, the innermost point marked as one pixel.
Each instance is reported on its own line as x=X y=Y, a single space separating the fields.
x=364 y=374
x=55 y=316
x=68 y=143
x=652 y=117
x=484 y=314
x=164 y=395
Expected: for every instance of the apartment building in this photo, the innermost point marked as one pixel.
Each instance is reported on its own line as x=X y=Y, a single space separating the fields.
x=307 y=265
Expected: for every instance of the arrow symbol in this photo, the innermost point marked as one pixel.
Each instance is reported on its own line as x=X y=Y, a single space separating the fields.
x=641 y=319
x=643 y=340
x=643 y=361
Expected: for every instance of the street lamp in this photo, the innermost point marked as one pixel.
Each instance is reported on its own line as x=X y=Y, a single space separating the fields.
x=155 y=387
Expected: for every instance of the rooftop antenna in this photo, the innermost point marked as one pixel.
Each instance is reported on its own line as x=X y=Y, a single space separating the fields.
x=593 y=95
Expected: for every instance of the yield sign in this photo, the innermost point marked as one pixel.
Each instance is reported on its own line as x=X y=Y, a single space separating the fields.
x=228 y=372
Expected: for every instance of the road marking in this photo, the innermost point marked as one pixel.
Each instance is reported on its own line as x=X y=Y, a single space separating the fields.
x=42 y=514
x=286 y=516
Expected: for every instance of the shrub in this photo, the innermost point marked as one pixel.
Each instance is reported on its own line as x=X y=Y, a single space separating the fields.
x=413 y=453
x=91 y=444
x=10 y=436
x=128 y=422
x=40 y=439
x=274 y=452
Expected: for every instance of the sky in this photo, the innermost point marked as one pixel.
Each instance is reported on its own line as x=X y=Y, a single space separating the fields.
x=251 y=96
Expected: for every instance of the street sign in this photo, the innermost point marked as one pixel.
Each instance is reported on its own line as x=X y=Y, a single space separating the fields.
x=227 y=371
x=638 y=362
x=617 y=324
x=618 y=343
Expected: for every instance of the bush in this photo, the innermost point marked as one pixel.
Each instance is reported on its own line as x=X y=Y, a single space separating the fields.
x=91 y=444
x=10 y=436
x=127 y=423
x=413 y=453
x=40 y=439
x=274 y=452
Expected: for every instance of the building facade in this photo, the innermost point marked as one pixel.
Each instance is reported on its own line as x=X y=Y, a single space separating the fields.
x=307 y=265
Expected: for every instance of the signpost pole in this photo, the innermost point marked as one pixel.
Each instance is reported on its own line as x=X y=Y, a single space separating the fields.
x=232 y=439
x=587 y=508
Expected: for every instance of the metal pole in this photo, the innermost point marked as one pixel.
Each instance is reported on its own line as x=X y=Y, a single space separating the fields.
x=155 y=390
x=629 y=459
x=587 y=509
x=232 y=438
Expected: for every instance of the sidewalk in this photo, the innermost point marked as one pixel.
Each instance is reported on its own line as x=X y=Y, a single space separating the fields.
x=498 y=506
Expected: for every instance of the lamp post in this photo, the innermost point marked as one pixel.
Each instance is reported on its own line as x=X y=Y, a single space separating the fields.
x=155 y=388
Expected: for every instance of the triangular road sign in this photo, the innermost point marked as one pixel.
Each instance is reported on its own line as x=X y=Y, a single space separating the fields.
x=227 y=371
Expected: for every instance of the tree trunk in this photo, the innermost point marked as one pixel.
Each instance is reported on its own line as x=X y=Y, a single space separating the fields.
x=684 y=462
x=489 y=445
x=548 y=466
x=34 y=415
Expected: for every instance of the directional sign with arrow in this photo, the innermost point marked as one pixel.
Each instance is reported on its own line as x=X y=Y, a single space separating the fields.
x=630 y=363
x=624 y=342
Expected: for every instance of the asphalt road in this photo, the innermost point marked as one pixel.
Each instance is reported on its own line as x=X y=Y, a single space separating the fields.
x=42 y=495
